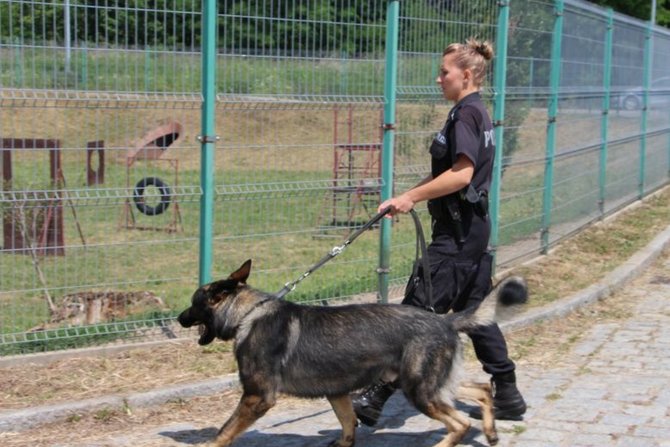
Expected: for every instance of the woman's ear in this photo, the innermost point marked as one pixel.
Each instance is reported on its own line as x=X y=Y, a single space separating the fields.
x=467 y=75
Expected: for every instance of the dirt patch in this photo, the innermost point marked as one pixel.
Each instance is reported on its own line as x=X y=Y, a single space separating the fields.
x=92 y=307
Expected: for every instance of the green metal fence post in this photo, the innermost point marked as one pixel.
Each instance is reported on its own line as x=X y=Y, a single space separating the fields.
x=390 y=84
x=531 y=76
x=500 y=84
x=607 y=84
x=554 y=83
x=646 y=80
x=207 y=139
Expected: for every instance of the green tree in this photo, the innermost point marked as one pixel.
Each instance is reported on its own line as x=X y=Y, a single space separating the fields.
x=640 y=9
x=135 y=23
x=318 y=26
x=663 y=13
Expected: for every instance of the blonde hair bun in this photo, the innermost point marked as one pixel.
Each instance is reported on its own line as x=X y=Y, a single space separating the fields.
x=482 y=47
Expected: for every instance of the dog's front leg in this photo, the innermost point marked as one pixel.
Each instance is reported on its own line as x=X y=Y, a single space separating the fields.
x=344 y=411
x=250 y=408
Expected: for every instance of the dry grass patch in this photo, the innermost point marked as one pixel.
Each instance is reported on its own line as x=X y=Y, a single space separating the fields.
x=132 y=371
x=586 y=258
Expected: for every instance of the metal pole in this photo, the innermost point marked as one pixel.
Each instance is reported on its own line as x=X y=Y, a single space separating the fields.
x=653 y=12
x=84 y=67
x=607 y=84
x=645 y=108
x=554 y=83
x=500 y=85
x=648 y=69
x=147 y=69
x=531 y=95
x=390 y=85
x=67 y=36
x=207 y=139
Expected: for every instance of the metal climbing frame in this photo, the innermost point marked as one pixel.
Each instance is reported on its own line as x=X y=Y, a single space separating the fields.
x=356 y=189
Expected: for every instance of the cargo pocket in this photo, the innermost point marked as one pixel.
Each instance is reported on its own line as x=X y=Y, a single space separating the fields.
x=448 y=276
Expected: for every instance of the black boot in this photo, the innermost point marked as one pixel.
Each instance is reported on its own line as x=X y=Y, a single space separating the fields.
x=368 y=403
x=508 y=404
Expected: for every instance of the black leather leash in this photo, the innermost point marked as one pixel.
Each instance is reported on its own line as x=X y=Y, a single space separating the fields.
x=422 y=251
x=420 y=245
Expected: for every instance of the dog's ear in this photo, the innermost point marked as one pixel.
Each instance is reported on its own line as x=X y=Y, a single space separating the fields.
x=242 y=273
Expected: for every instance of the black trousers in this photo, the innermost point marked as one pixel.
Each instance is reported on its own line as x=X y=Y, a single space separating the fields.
x=459 y=283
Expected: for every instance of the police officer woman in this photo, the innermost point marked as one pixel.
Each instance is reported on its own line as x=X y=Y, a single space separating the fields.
x=461 y=166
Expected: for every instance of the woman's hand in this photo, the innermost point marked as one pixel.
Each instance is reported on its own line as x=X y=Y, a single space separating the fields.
x=399 y=205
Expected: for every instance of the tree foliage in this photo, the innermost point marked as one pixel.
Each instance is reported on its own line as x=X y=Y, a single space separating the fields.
x=640 y=9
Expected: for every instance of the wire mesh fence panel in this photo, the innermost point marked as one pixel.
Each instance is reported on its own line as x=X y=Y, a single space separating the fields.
x=657 y=162
x=100 y=113
x=100 y=198
x=525 y=124
x=658 y=156
x=575 y=191
x=298 y=164
x=591 y=163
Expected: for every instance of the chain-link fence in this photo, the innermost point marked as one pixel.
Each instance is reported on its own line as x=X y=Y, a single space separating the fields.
x=101 y=113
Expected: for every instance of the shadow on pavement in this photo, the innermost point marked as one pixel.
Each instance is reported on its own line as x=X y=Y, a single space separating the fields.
x=366 y=437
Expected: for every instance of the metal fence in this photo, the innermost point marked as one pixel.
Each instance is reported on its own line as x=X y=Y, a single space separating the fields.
x=104 y=173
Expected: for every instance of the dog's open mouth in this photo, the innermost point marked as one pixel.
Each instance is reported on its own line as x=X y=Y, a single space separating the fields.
x=206 y=335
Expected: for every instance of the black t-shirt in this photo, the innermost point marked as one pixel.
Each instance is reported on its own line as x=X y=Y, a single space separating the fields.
x=468 y=131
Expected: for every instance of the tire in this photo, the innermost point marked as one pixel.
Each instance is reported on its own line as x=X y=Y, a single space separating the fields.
x=138 y=196
x=631 y=102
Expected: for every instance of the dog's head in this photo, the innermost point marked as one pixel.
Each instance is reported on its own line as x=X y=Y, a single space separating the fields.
x=209 y=305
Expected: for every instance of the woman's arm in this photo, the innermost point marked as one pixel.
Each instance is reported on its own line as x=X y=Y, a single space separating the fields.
x=451 y=180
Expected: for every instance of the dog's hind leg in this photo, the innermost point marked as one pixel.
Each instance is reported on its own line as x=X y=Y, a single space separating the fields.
x=481 y=394
x=250 y=408
x=457 y=424
x=344 y=411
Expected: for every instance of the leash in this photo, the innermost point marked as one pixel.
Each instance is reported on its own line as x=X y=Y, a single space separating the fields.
x=289 y=286
x=422 y=253
x=420 y=246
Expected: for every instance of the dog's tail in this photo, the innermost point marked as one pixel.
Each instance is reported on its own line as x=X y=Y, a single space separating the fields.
x=503 y=300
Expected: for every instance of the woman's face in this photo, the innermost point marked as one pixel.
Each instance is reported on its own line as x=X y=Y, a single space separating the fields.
x=455 y=83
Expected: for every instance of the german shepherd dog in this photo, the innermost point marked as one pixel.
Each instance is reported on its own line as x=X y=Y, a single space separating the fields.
x=316 y=351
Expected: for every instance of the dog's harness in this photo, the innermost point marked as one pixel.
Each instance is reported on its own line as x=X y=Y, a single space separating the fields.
x=420 y=249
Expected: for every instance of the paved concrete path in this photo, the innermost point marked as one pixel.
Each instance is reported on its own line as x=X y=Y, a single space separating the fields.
x=612 y=389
